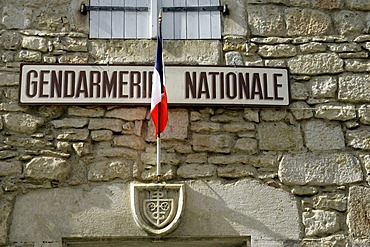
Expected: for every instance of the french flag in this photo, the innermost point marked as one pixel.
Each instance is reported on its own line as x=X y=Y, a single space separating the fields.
x=159 y=108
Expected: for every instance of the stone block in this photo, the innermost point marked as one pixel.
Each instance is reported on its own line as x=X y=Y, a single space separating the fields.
x=10 y=168
x=128 y=114
x=109 y=170
x=348 y=23
x=301 y=110
x=49 y=168
x=9 y=79
x=266 y=21
x=29 y=56
x=177 y=125
x=277 y=51
x=86 y=112
x=359 y=138
x=114 y=125
x=236 y=171
x=236 y=26
x=7 y=154
x=278 y=136
x=196 y=171
x=362 y=5
x=327 y=4
x=316 y=64
x=312 y=47
x=246 y=145
x=299 y=91
x=364 y=114
x=270 y=115
x=70 y=123
x=320 y=169
x=234 y=58
x=212 y=143
x=251 y=115
x=330 y=202
x=11 y=40
x=307 y=22
x=357 y=65
x=22 y=122
x=15 y=17
x=336 y=112
x=130 y=141
x=323 y=87
x=35 y=43
x=320 y=223
x=72 y=134
x=358 y=212
x=354 y=88
x=5 y=213
x=101 y=135
x=320 y=135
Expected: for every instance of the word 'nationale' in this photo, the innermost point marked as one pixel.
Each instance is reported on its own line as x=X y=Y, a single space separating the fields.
x=137 y=84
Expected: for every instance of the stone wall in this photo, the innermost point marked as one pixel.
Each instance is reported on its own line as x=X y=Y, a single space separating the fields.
x=316 y=152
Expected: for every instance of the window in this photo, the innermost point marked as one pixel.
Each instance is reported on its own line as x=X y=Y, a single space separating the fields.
x=137 y=19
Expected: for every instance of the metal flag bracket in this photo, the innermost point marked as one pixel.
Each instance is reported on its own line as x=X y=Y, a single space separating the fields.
x=84 y=8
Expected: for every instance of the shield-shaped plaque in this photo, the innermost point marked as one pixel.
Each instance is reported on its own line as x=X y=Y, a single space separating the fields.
x=157 y=208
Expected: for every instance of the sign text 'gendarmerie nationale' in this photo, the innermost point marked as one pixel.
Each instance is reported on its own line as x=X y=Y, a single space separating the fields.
x=59 y=84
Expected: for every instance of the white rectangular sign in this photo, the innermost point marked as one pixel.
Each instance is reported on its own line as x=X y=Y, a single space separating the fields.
x=86 y=84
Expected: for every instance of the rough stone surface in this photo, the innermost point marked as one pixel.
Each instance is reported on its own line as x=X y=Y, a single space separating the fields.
x=266 y=21
x=320 y=135
x=47 y=168
x=331 y=202
x=306 y=22
x=320 y=169
x=354 y=88
x=359 y=138
x=316 y=64
x=279 y=136
x=348 y=22
x=10 y=168
x=336 y=112
x=212 y=143
x=320 y=222
x=364 y=114
x=358 y=212
x=114 y=125
x=22 y=123
x=323 y=87
x=196 y=170
x=108 y=170
x=104 y=210
x=236 y=171
x=276 y=51
x=128 y=114
x=5 y=209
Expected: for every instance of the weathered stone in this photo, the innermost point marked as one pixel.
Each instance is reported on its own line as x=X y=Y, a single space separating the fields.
x=354 y=88
x=358 y=212
x=81 y=148
x=320 y=135
x=359 y=138
x=299 y=91
x=320 y=223
x=348 y=22
x=70 y=123
x=205 y=127
x=22 y=122
x=271 y=40
x=246 y=145
x=177 y=125
x=251 y=115
x=357 y=65
x=74 y=58
x=70 y=44
x=150 y=158
x=305 y=190
x=35 y=43
x=6 y=154
x=29 y=56
x=364 y=114
x=236 y=171
x=128 y=114
x=307 y=22
x=114 y=125
x=345 y=47
x=277 y=51
x=196 y=170
x=234 y=58
x=199 y=158
x=212 y=143
x=50 y=168
x=27 y=142
x=14 y=17
x=10 y=168
x=320 y=169
x=269 y=115
x=101 y=135
x=150 y=174
x=8 y=79
x=301 y=110
x=330 y=201
x=316 y=64
x=85 y=112
x=11 y=40
x=130 y=141
x=266 y=21
x=109 y=170
x=354 y=55
x=336 y=112
x=72 y=134
x=362 y=5
x=239 y=127
x=323 y=87
x=6 y=210
x=327 y=4
x=312 y=47
x=278 y=136
x=117 y=152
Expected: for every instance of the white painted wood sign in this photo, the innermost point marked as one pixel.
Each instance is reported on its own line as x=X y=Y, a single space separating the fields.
x=87 y=84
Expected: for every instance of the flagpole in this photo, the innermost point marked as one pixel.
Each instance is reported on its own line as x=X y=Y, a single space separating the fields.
x=159 y=109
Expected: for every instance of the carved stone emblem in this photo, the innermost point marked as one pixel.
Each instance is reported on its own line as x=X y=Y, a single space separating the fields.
x=157 y=208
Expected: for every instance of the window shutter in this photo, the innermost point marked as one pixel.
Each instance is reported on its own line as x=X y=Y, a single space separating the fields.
x=191 y=24
x=119 y=23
